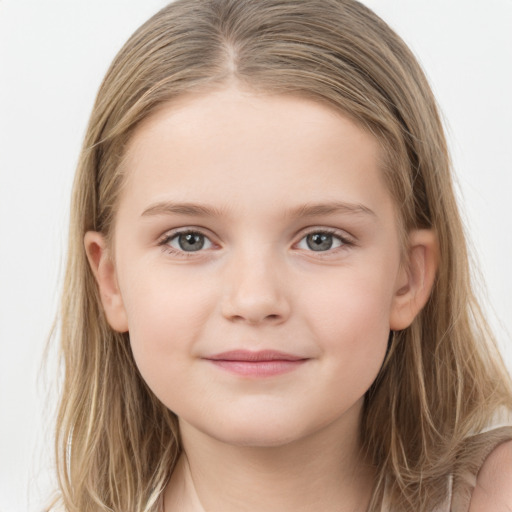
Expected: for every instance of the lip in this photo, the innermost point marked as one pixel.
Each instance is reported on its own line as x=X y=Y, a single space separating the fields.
x=262 y=363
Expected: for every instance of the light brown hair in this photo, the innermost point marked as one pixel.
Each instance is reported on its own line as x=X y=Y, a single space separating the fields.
x=442 y=378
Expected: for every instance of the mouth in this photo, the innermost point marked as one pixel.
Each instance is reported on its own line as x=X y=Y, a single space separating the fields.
x=263 y=363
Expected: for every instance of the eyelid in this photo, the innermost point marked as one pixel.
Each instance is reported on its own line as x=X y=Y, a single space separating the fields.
x=164 y=240
x=346 y=239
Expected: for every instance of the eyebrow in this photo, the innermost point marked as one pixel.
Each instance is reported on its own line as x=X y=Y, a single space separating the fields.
x=302 y=211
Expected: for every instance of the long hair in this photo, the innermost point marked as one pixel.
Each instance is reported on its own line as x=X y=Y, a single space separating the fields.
x=442 y=378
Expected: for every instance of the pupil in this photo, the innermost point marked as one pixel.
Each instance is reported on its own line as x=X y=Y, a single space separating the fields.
x=319 y=241
x=191 y=241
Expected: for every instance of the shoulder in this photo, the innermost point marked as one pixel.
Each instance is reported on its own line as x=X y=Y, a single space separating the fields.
x=493 y=489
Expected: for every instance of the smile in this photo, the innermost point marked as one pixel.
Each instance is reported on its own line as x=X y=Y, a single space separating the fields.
x=265 y=363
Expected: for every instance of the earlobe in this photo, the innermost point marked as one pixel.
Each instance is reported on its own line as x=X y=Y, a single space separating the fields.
x=103 y=269
x=416 y=278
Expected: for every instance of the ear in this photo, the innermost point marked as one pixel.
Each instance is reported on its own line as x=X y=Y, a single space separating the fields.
x=104 y=272
x=416 y=278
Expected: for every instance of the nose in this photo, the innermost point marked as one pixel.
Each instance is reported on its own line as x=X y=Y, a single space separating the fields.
x=254 y=290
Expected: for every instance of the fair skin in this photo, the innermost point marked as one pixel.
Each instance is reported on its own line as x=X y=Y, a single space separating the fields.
x=493 y=489
x=320 y=292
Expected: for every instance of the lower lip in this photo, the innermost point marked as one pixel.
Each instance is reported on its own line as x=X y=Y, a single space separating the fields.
x=258 y=368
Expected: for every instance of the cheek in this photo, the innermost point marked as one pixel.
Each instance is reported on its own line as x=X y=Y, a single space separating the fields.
x=351 y=326
x=166 y=316
x=354 y=308
x=163 y=302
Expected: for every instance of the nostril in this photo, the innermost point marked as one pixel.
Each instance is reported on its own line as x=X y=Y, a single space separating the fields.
x=252 y=320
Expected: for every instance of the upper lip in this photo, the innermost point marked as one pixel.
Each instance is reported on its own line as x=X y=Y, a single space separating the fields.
x=252 y=356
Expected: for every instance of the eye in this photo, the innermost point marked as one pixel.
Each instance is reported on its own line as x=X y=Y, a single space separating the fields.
x=322 y=241
x=186 y=242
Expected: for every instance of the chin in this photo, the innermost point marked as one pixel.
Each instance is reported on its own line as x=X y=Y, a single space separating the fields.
x=257 y=439
x=261 y=433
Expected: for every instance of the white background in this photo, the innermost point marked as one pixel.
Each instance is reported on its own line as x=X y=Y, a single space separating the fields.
x=53 y=55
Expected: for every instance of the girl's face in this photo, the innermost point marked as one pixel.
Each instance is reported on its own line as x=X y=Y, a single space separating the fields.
x=257 y=265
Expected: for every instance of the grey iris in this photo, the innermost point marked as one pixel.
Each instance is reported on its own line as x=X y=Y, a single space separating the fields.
x=191 y=241
x=319 y=241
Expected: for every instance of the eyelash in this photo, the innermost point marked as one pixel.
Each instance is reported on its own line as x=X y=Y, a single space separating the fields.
x=163 y=243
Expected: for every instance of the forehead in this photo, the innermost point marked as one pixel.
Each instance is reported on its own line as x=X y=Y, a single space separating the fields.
x=247 y=150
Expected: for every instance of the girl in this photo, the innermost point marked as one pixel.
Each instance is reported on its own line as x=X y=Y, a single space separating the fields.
x=267 y=302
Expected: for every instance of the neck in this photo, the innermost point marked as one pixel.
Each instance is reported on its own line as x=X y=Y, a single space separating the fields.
x=322 y=471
